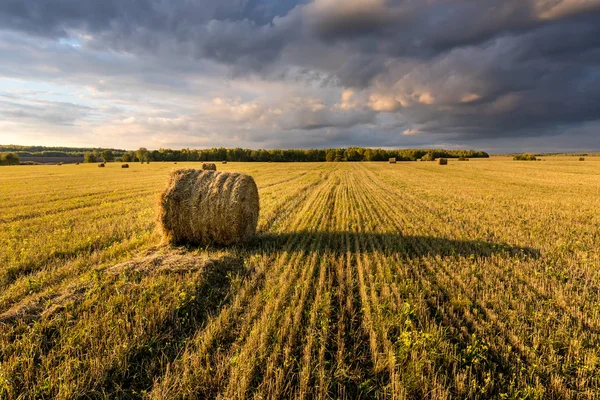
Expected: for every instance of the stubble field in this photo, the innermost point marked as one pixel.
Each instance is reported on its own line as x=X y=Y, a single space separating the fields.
x=479 y=279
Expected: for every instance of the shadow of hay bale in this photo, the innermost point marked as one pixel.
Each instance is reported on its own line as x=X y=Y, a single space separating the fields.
x=389 y=244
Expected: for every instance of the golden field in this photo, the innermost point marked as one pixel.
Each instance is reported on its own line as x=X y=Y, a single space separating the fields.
x=479 y=279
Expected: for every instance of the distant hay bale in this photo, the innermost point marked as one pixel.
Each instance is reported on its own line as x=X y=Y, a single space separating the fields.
x=124 y=165
x=101 y=165
x=224 y=162
x=76 y=163
x=463 y=158
x=174 y=163
x=392 y=161
x=442 y=161
x=147 y=162
x=209 y=167
x=581 y=159
x=207 y=207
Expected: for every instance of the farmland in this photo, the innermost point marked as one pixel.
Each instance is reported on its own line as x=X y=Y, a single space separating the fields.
x=478 y=279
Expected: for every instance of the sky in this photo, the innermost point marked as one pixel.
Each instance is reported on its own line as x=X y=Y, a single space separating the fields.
x=495 y=75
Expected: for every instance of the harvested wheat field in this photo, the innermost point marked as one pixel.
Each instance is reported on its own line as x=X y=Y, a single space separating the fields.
x=365 y=280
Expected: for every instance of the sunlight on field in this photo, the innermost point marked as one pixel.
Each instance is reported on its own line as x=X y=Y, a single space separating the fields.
x=474 y=280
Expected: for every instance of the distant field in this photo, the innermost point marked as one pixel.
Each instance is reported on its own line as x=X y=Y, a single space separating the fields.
x=479 y=279
x=53 y=160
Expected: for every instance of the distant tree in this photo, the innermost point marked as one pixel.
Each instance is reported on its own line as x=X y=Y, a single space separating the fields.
x=330 y=155
x=126 y=158
x=430 y=156
x=524 y=157
x=89 y=157
x=107 y=156
x=352 y=154
x=142 y=154
x=9 y=159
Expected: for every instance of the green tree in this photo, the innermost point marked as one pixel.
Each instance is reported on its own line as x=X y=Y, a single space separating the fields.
x=330 y=155
x=89 y=157
x=142 y=154
x=107 y=156
x=9 y=159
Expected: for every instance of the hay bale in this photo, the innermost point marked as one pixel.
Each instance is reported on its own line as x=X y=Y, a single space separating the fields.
x=101 y=165
x=442 y=161
x=581 y=159
x=392 y=161
x=224 y=162
x=209 y=167
x=124 y=165
x=207 y=207
x=76 y=163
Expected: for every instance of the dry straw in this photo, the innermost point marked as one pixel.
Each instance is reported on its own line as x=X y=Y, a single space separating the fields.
x=124 y=165
x=442 y=161
x=209 y=167
x=392 y=161
x=206 y=207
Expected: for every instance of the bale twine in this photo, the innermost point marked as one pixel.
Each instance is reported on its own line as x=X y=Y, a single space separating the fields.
x=209 y=167
x=442 y=161
x=206 y=207
x=392 y=161
x=124 y=165
x=101 y=165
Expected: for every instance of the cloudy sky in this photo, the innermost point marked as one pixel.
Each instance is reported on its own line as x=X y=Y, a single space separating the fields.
x=498 y=75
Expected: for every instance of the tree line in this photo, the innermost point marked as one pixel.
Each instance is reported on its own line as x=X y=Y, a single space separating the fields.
x=92 y=155
x=279 y=155
x=43 y=151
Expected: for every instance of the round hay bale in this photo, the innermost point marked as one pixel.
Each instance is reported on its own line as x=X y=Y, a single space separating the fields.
x=209 y=167
x=207 y=207
x=101 y=165
x=392 y=161
x=224 y=162
x=442 y=161
x=581 y=159
x=76 y=163
x=124 y=165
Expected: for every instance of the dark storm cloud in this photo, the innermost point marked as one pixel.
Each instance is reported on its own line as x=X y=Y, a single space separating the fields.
x=469 y=70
